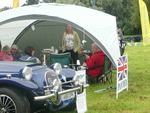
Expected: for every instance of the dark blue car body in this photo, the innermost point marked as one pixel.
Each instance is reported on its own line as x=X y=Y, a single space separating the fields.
x=136 y=38
x=44 y=90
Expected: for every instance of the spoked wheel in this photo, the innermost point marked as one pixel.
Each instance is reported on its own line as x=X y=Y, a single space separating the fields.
x=7 y=105
x=13 y=101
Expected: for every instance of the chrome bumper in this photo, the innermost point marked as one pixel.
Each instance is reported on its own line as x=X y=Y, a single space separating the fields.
x=39 y=98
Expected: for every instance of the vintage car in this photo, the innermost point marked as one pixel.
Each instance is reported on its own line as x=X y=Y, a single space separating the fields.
x=27 y=87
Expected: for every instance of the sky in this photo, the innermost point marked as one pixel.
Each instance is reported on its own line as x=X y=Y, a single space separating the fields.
x=9 y=3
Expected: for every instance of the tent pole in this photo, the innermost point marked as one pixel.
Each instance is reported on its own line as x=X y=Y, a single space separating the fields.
x=94 y=4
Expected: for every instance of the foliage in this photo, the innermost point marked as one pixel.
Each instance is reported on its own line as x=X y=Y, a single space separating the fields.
x=135 y=19
x=49 y=1
x=128 y=28
x=148 y=4
x=31 y=2
x=4 y=8
x=122 y=9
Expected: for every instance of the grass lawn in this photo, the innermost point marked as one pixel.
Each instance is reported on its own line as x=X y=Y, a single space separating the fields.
x=136 y=99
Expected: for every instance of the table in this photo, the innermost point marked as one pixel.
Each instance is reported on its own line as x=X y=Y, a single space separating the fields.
x=46 y=54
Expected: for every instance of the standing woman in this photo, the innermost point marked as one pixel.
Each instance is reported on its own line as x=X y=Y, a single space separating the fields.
x=71 y=43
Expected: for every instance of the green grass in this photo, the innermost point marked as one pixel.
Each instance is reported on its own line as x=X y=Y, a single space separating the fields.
x=136 y=99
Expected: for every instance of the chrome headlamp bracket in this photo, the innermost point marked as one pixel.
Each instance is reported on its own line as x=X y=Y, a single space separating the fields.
x=57 y=68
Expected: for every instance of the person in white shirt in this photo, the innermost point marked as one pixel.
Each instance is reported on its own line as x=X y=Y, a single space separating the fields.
x=71 y=43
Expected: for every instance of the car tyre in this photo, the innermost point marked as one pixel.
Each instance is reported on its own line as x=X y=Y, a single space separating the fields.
x=12 y=99
x=132 y=40
x=71 y=107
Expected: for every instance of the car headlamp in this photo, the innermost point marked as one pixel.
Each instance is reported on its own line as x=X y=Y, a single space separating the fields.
x=57 y=68
x=27 y=73
x=76 y=80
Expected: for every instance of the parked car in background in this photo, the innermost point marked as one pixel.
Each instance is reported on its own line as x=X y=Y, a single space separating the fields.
x=136 y=38
x=27 y=87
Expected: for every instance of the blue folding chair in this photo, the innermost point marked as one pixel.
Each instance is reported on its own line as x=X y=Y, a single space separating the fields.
x=30 y=60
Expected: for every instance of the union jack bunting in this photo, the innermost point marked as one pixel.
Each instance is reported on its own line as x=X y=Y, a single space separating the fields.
x=122 y=68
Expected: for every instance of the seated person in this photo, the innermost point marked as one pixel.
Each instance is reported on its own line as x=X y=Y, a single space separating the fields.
x=30 y=51
x=95 y=63
x=0 y=46
x=16 y=53
x=5 y=54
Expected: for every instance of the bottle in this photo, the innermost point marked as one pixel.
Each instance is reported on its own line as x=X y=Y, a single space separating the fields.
x=56 y=51
x=78 y=62
x=52 y=49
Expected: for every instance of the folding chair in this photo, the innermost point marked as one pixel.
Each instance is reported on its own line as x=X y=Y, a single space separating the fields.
x=106 y=75
x=30 y=60
x=63 y=58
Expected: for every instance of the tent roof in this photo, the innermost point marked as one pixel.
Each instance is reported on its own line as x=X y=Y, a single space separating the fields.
x=99 y=26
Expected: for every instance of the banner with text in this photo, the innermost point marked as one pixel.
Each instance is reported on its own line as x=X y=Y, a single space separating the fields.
x=81 y=102
x=15 y=3
x=144 y=22
x=122 y=74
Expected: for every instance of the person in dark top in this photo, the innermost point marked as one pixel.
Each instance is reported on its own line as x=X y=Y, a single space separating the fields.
x=16 y=53
x=30 y=51
x=120 y=36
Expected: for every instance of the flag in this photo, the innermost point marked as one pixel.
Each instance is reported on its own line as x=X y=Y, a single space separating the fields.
x=144 y=22
x=122 y=74
x=15 y=3
x=122 y=68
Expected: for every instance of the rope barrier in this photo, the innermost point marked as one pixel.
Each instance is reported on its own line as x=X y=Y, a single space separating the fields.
x=134 y=44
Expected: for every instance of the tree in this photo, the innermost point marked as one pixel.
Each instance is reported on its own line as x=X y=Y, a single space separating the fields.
x=122 y=9
x=31 y=2
x=136 y=22
x=148 y=4
x=135 y=18
x=49 y=1
x=4 y=8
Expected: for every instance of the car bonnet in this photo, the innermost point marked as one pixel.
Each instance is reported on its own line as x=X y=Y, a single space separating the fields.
x=12 y=66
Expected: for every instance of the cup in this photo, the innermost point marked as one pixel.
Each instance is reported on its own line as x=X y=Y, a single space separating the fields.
x=78 y=62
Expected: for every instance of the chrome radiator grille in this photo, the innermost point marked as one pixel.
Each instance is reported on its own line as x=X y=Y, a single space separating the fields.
x=50 y=76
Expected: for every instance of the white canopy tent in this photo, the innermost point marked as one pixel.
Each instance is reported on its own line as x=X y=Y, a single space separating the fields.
x=98 y=26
